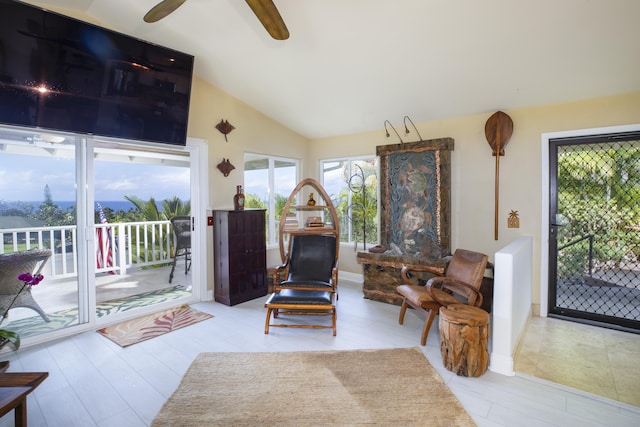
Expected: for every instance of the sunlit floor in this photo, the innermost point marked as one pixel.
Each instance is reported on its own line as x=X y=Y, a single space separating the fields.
x=597 y=360
x=94 y=382
x=115 y=294
x=54 y=295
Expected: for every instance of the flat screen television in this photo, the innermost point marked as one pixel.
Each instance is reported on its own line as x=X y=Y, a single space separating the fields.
x=60 y=73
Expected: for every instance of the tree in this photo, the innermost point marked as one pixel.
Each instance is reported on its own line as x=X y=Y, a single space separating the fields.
x=148 y=210
x=253 y=201
x=17 y=209
x=175 y=207
x=51 y=213
x=598 y=192
x=357 y=204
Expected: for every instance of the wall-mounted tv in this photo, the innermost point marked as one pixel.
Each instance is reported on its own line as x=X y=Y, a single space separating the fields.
x=63 y=74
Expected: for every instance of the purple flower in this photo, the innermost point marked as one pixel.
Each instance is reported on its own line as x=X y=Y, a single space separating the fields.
x=30 y=280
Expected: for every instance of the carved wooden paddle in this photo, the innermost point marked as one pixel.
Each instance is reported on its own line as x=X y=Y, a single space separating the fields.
x=498 y=130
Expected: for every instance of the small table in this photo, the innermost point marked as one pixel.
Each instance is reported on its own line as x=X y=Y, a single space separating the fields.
x=14 y=388
x=464 y=339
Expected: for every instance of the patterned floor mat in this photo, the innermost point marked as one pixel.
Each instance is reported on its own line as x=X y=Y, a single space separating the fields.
x=143 y=328
x=35 y=325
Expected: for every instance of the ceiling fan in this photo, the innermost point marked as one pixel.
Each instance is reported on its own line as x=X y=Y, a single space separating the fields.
x=265 y=10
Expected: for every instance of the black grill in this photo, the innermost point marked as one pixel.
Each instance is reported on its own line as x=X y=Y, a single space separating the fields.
x=597 y=230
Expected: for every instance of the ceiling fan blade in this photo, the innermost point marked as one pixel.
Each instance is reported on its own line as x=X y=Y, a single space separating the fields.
x=270 y=18
x=162 y=9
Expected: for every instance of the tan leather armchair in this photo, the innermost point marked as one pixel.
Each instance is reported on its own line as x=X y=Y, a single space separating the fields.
x=460 y=284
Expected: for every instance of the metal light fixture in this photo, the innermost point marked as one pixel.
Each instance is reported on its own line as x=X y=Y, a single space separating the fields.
x=394 y=129
x=406 y=129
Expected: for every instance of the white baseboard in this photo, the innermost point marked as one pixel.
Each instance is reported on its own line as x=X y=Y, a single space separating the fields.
x=501 y=364
x=351 y=277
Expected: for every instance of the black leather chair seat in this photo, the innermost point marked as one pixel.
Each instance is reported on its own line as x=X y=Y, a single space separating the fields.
x=305 y=283
x=294 y=297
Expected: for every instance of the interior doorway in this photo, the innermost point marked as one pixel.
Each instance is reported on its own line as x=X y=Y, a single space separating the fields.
x=594 y=229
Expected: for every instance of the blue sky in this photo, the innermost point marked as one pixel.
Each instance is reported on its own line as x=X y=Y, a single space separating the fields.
x=23 y=178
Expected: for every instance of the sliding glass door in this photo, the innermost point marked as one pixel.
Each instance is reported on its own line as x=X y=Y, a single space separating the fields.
x=102 y=210
x=136 y=194
x=38 y=212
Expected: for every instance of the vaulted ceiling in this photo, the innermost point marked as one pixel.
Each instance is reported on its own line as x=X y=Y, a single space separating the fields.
x=349 y=65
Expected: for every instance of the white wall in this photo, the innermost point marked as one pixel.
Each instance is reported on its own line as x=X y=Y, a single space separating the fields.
x=511 y=302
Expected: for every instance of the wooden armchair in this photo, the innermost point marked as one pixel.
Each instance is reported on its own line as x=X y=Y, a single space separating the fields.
x=460 y=284
x=14 y=264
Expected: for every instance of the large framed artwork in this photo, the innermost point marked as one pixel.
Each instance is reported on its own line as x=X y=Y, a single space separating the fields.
x=415 y=215
x=416 y=198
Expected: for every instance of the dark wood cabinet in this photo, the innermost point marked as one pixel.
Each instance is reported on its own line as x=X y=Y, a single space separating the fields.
x=240 y=255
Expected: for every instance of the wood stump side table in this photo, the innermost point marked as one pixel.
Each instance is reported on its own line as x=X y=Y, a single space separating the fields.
x=464 y=339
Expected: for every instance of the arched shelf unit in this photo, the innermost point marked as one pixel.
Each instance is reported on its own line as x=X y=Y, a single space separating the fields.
x=298 y=217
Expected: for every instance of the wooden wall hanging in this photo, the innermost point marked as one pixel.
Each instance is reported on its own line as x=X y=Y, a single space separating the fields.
x=225 y=167
x=225 y=128
x=498 y=131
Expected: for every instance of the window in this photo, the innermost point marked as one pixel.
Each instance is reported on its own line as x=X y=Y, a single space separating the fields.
x=352 y=185
x=268 y=182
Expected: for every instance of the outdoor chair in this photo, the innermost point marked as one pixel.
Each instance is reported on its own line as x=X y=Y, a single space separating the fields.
x=460 y=284
x=11 y=266
x=182 y=242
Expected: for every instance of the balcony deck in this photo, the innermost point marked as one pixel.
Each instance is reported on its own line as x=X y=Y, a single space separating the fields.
x=58 y=297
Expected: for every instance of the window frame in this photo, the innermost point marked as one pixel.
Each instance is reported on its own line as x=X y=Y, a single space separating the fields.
x=363 y=158
x=272 y=221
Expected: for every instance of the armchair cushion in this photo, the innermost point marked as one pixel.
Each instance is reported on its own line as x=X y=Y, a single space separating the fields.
x=311 y=263
x=424 y=295
x=460 y=284
x=312 y=258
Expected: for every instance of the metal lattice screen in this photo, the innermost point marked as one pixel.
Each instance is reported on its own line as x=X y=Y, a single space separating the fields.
x=598 y=233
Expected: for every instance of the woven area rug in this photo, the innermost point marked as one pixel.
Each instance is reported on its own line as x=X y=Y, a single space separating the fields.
x=362 y=387
x=153 y=325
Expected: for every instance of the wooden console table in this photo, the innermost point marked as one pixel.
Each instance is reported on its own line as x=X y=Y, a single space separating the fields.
x=14 y=388
x=382 y=274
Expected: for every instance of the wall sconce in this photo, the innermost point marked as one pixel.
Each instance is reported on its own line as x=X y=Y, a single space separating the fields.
x=394 y=129
x=225 y=128
x=406 y=129
x=225 y=167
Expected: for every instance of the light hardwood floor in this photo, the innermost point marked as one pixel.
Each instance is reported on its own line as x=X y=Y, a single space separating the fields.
x=94 y=382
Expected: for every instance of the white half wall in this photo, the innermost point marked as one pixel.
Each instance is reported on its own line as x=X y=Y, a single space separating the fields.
x=512 y=286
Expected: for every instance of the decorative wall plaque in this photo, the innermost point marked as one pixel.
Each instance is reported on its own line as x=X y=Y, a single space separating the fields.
x=225 y=167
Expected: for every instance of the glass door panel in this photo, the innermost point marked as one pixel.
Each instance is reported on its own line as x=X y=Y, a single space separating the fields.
x=38 y=199
x=137 y=191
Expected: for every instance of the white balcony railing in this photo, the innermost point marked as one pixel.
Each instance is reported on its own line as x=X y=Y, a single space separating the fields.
x=132 y=244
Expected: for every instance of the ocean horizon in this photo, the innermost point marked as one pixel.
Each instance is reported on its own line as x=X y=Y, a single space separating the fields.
x=114 y=205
